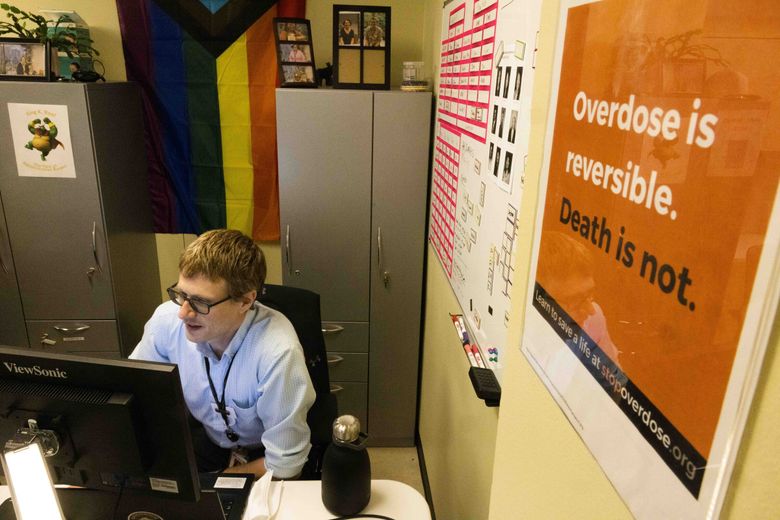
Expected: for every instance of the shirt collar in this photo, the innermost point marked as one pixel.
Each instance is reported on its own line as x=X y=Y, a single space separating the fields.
x=238 y=338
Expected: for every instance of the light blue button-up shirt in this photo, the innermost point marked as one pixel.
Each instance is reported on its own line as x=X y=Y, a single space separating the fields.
x=268 y=391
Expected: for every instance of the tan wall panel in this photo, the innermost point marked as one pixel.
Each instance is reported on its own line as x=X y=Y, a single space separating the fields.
x=457 y=430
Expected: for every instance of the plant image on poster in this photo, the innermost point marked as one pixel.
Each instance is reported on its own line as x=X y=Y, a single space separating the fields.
x=656 y=240
x=41 y=139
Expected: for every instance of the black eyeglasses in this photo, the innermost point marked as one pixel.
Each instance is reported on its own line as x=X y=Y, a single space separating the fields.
x=198 y=305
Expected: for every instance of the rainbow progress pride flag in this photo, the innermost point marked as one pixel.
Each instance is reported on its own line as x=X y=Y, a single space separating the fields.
x=208 y=71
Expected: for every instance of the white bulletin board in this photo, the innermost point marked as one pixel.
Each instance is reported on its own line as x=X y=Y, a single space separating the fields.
x=480 y=150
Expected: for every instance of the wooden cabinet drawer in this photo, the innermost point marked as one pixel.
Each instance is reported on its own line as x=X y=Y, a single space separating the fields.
x=74 y=336
x=352 y=399
x=345 y=336
x=348 y=366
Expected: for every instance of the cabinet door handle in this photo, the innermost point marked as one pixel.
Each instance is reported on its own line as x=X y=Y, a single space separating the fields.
x=287 y=249
x=335 y=360
x=384 y=274
x=379 y=248
x=94 y=246
x=68 y=330
x=331 y=329
x=334 y=389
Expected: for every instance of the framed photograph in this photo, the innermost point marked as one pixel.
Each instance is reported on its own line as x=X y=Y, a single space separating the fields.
x=295 y=52
x=298 y=76
x=292 y=29
x=349 y=29
x=24 y=60
x=361 y=46
x=374 y=29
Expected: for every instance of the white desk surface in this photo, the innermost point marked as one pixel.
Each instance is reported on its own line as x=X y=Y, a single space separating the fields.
x=303 y=499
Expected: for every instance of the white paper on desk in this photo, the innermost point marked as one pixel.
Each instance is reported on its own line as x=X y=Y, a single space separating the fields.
x=264 y=499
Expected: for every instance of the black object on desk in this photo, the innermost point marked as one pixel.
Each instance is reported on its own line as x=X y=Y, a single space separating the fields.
x=485 y=385
x=346 y=469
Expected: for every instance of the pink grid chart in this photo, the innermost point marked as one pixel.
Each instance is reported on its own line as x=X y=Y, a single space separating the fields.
x=466 y=69
x=463 y=107
x=446 y=158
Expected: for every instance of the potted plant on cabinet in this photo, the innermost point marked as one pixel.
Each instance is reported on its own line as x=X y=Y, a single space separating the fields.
x=63 y=35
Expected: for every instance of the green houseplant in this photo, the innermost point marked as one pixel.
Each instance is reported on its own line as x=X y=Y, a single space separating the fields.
x=61 y=36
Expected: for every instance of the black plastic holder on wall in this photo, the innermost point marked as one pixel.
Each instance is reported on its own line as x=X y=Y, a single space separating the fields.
x=485 y=385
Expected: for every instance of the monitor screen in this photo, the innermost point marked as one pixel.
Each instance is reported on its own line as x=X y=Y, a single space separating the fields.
x=120 y=424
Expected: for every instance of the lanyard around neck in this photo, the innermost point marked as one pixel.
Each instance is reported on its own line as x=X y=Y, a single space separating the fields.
x=219 y=402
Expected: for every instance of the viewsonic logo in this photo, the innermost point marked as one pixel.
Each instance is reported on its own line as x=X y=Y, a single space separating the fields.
x=35 y=370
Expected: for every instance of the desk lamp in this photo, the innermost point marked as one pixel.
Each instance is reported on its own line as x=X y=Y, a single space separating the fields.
x=28 y=476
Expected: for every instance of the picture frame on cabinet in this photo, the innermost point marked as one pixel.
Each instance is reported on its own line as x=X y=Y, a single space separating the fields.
x=23 y=59
x=361 y=46
x=295 y=52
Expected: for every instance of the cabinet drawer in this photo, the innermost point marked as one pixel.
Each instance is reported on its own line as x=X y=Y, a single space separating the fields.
x=74 y=336
x=352 y=399
x=344 y=366
x=345 y=336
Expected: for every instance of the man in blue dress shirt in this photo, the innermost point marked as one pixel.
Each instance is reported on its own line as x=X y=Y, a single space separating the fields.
x=242 y=368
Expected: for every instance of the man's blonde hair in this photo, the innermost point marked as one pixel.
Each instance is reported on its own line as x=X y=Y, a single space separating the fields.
x=227 y=254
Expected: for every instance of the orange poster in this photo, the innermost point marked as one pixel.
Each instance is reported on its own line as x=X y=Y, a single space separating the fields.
x=658 y=234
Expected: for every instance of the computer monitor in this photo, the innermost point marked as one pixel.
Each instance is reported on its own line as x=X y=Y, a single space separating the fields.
x=121 y=424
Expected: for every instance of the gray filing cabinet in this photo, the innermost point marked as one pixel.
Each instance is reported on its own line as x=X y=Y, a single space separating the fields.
x=79 y=260
x=353 y=177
